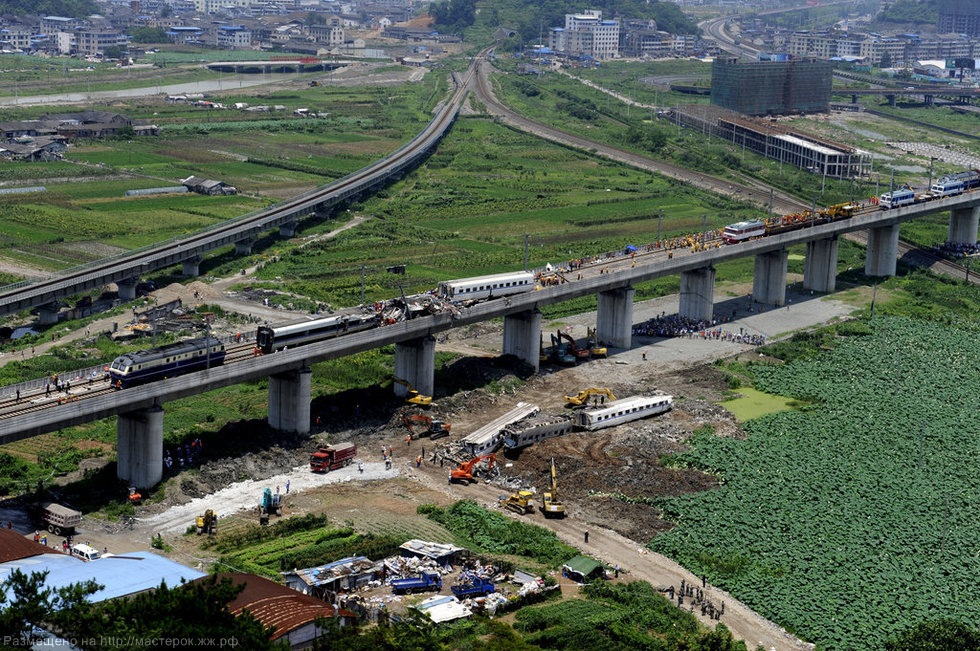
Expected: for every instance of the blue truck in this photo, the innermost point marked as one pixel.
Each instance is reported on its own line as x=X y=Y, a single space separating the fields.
x=475 y=588
x=421 y=583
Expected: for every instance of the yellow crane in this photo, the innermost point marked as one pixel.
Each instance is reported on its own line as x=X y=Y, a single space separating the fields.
x=551 y=506
x=582 y=398
x=413 y=396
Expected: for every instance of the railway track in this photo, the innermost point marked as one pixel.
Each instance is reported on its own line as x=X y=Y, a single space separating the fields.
x=25 y=295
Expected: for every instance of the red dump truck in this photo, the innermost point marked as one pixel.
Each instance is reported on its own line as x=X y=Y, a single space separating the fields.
x=331 y=457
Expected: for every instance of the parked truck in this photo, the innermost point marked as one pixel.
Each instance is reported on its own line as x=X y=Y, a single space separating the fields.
x=421 y=583
x=331 y=457
x=58 y=519
x=475 y=588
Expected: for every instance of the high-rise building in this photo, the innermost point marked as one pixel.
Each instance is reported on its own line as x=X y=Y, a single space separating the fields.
x=959 y=17
x=771 y=87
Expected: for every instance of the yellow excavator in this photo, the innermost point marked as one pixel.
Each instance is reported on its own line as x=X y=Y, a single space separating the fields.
x=592 y=343
x=413 y=396
x=207 y=523
x=583 y=396
x=522 y=502
x=551 y=506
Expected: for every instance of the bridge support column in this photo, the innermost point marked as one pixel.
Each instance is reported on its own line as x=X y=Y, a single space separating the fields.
x=244 y=247
x=614 y=317
x=820 y=268
x=289 y=401
x=522 y=337
x=287 y=230
x=126 y=288
x=191 y=267
x=769 y=280
x=697 y=294
x=47 y=314
x=963 y=224
x=139 y=447
x=882 y=253
x=415 y=362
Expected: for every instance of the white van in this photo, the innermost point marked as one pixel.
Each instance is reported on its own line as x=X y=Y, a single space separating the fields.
x=85 y=552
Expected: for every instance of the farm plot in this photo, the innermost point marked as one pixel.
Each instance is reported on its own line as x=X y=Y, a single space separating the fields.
x=858 y=517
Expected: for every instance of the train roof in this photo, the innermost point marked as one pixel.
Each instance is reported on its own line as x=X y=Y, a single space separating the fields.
x=516 y=275
x=747 y=224
x=630 y=402
x=174 y=348
x=326 y=322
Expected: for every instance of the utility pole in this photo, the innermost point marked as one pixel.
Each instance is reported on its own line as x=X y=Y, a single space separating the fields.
x=660 y=224
x=363 y=281
x=527 y=240
x=207 y=342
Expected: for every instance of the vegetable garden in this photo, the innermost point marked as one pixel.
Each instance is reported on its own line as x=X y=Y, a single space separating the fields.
x=856 y=518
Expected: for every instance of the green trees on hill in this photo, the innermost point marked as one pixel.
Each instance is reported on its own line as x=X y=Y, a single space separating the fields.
x=68 y=8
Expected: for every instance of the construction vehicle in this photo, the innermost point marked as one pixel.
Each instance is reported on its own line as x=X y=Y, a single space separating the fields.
x=583 y=397
x=58 y=519
x=207 y=523
x=559 y=352
x=421 y=583
x=422 y=425
x=331 y=457
x=135 y=497
x=521 y=501
x=271 y=503
x=464 y=473
x=475 y=588
x=592 y=343
x=413 y=396
x=578 y=353
x=551 y=505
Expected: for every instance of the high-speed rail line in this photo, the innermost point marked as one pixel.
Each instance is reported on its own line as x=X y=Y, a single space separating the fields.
x=130 y=266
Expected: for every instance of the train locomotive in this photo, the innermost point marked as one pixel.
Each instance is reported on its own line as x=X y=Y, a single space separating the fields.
x=171 y=360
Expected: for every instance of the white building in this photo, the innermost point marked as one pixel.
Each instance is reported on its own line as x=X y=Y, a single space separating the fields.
x=587 y=34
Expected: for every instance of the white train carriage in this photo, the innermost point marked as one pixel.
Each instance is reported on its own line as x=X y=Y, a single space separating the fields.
x=534 y=430
x=483 y=287
x=743 y=231
x=622 y=411
x=269 y=339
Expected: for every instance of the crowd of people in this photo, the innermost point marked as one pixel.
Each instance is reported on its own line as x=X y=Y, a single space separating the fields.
x=186 y=454
x=956 y=250
x=675 y=325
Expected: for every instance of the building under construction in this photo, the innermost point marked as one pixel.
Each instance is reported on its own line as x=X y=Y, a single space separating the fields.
x=775 y=142
x=771 y=87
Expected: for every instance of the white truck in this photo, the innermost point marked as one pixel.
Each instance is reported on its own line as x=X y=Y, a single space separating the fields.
x=58 y=519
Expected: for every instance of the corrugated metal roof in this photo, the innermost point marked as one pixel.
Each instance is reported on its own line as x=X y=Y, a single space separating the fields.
x=14 y=546
x=276 y=605
x=124 y=574
x=430 y=549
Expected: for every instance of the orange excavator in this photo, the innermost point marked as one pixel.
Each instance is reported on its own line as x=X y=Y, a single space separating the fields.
x=464 y=474
x=581 y=353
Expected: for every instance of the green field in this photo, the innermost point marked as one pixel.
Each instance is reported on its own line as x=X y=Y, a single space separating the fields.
x=856 y=517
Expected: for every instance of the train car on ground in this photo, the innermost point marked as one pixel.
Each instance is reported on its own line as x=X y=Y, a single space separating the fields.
x=622 y=411
x=485 y=287
x=269 y=339
x=171 y=360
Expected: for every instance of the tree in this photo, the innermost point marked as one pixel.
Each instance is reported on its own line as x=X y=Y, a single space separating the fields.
x=936 y=635
x=195 y=611
x=886 y=60
x=31 y=604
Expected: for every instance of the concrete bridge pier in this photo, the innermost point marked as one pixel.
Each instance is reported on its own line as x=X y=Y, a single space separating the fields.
x=244 y=247
x=820 y=268
x=697 y=294
x=126 y=288
x=288 y=229
x=415 y=362
x=614 y=317
x=139 y=444
x=289 y=401
x=882 y=254
x=47 y=314
x=963 y=224
x=522 y=337
x=769 y=280
x=191 y=267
